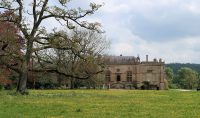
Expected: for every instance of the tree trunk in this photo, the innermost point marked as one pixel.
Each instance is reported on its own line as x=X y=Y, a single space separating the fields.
x=59 y=79
x=72 y=83
x=24 y=71
x=21 y=87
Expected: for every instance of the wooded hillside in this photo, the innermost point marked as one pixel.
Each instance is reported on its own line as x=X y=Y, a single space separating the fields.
x=177 y=66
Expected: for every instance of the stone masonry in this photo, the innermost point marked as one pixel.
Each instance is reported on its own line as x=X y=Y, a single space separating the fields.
x=128 y=72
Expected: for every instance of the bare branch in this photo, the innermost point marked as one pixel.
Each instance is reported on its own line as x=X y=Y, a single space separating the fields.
x=61 y=73
x=34 y=12
x=37 y=41
x=20 y=10
x=11 y=66
x=6 y=8
x=37 y=22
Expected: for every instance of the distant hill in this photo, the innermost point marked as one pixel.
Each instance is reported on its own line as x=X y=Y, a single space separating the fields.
x=177 y=66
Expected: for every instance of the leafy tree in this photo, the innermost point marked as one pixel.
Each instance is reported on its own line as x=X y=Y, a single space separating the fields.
x=169 y=73
x=177 y=66
x=10 y=43
x=170 y=76
x=88 y=44
x=187 y=78
x=29 y=19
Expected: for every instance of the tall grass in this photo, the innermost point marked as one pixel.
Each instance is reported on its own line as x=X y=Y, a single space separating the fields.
x=100 y=104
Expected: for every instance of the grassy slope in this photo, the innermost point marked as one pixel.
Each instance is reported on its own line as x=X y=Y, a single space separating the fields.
x=100 y=104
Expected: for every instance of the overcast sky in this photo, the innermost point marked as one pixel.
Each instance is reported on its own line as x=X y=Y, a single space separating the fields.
x=168 y=29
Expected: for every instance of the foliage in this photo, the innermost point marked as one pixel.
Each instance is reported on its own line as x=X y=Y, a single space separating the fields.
x=85 y=64
x=174 y=86
x=14 y=76
x=1 y=87
x=101 y=103
x=166 y=82
x=10 y=45
x=183 y=75
x=29 y=16
x=176 y=66
x=169 y=73
x=170 y=76
x=187 y=78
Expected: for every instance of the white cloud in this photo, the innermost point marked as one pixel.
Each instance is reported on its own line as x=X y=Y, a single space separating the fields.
x=193 y=7
x=180 y=50
x=176 y=17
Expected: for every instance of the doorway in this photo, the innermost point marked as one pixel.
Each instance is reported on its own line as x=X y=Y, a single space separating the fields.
x=118 y=78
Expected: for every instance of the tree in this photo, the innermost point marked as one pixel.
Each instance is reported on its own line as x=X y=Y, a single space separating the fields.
x=187 y=78
x=170 y=76
x=88 y=44
x=10 y=45
x=35 y=33
x=10 y=42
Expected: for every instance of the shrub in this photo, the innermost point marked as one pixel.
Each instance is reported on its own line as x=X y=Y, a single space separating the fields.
x=166 y=84
x=78 y=110
x=1 y=87
x=9 y=87
x=173 y=86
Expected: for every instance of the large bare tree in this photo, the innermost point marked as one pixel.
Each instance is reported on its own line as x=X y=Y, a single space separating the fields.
x=84 y=61
x=30 y=17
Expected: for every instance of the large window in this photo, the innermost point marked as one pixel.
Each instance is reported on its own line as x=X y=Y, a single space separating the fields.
x=107 y=76
x=129 y=76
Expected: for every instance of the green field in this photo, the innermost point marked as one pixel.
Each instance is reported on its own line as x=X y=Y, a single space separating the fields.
x=100 y=104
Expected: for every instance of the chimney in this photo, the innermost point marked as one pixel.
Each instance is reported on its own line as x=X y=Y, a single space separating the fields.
x=160 y=60
x=146 y=58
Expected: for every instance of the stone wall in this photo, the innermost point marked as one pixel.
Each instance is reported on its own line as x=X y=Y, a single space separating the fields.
x=149 y=75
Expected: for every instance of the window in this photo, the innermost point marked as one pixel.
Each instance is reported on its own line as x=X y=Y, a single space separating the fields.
x=149 y=71
x=118 y=70
x=107 y=76
x=129 y=76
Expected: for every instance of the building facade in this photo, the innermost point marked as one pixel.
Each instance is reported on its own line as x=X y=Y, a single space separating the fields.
x=128 y=72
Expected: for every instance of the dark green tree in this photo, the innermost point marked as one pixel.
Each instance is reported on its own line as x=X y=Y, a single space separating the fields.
x=170 y=76
x=187 y=78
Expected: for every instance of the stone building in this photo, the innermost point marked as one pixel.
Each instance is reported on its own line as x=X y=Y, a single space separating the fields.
x=128 y=72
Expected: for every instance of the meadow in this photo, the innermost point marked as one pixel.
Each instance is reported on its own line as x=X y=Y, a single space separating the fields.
x=100 y=104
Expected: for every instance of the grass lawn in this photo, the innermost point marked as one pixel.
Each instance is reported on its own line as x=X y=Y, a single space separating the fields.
x=100 y=104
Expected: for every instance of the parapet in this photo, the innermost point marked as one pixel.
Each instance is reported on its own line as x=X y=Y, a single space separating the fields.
x=130 y=60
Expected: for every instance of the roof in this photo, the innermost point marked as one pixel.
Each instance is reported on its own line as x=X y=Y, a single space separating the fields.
x=113 y=60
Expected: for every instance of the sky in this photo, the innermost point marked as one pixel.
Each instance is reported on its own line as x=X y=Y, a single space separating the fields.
x=167 y=29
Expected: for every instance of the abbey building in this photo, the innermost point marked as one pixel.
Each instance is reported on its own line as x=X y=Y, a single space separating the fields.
x=128 y=72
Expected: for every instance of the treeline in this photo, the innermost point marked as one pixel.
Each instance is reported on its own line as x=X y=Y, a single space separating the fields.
x=177 y=66
x=184 y=76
